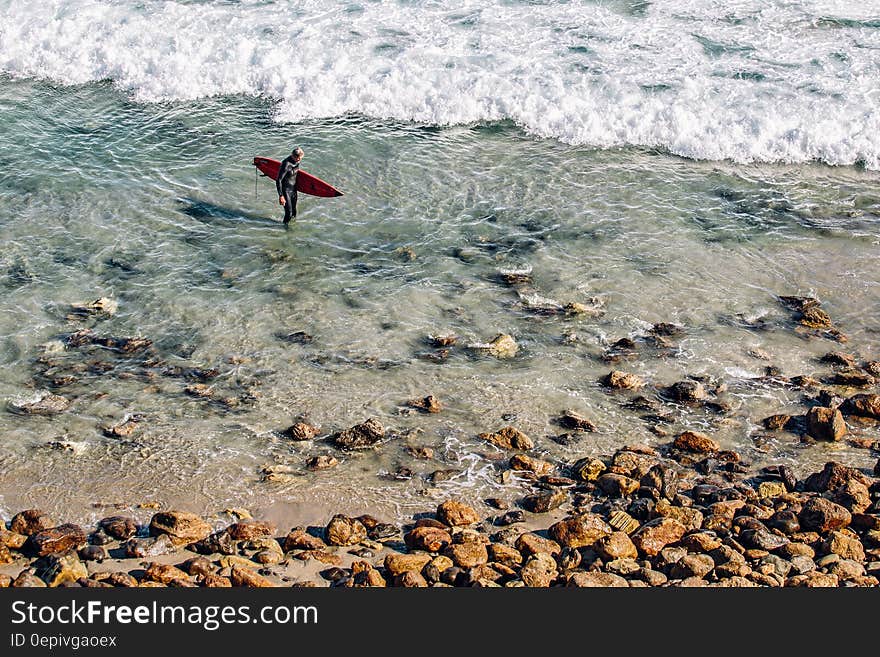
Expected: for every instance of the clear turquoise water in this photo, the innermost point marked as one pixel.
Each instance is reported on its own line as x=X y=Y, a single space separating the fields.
x=154 y=206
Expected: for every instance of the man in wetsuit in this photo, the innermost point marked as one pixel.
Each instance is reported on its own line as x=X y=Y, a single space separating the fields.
x=286 y=183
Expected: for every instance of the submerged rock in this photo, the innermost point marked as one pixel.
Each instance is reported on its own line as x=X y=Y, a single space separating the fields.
x=360 y=436
x=623 y=380
x=43 y=404
x=501 y=346
x=301 y=431
x=508 y=438
x=322 y=462
x=687 y=392
x=429 y=404
x=101 y=306
x=575 y=422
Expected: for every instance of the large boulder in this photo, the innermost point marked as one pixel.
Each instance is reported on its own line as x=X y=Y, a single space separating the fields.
x=656 y=534
x=579 y=530
x=342 y=530
x=454 y=513
x=825 y=423
x=822 y=515
x=57 y=539
x=429 y=539
x=30 y=522
x=866 y=405
x=695 y=442
x=181 y=526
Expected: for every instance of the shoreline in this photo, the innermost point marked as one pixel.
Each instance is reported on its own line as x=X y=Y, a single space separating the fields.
x=689 y=514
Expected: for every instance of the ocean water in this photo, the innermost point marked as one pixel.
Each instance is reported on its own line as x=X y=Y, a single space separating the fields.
x=665 y=162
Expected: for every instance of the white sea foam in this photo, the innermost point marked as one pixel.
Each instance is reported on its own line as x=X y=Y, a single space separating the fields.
x=746 y=80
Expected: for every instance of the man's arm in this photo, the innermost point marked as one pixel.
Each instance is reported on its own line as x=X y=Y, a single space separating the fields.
x=282 y=174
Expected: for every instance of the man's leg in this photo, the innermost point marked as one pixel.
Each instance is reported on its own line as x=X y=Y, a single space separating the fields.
x=289 y=206
x=292 y=203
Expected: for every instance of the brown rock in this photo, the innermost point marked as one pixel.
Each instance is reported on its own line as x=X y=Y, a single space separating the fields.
x=363 y=575
x=509 y=438
x=691 y=518
x=167 y=574
x=121 y=579
x=844 y=545
x=119 y=527
x=27 y=579
x=360 y=436
x=197 y=566
x=30 y=522
x=865 y=405
x=853 y=379
x=342 y=530
x=301 y=431
x=575 y=422
x=181 y=527
x=692 y=565
x=248 y=530
x=540 y=570
x=825 y=423
x=696 y=442
x=149 y=547
x=776 y=422
x=813 y=579
x=656 y=534
x=530 y=543
x=623 y=380
x=213 y=581
x=57 y=539
x=526 y=463
x=687 y=392
x=596 y=580
x=832 y=476
x=299 y=539
x=59 y=569
x=822 y=515
x=839 y=358
x=401 y=563
x=616 y=545
x=241 y=576
x=410 y=579
x=544 y=501
x=617 y=485
x=12 y=540
x=422 y=453
x=455 y=514
x=506 y=555
x=588 y=469
x=429 y=404
x=579 y=530
x=467 y=555
x=429 y=539
x=322 y=462
x=853 y=495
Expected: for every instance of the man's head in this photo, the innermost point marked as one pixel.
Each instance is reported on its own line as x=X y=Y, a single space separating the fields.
x=297 y=154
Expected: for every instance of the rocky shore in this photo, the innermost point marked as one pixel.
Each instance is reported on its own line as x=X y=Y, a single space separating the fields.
x=683 y=512
x=683 y=515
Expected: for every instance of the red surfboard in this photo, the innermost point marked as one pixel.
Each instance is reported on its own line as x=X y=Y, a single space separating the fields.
x=305 y=182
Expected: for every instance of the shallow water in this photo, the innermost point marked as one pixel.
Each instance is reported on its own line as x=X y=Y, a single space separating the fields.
x=154 y=206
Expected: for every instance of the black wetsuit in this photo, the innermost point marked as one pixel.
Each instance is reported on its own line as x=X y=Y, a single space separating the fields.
x=286 y=185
